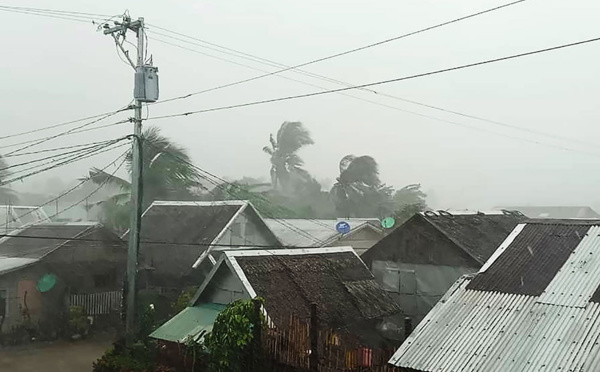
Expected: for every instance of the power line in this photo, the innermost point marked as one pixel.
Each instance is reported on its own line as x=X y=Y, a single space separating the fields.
x=55 y=149
x=73 y=132
x=72 y=188
x=158 y=242
x=35 y=143
x=54 y=126
x=100 y=186
x=409 y=77
x=349 y=51
x=379 y=93
x=46 y=10
x=53 y=157
x=261 y=198
x=65 y=162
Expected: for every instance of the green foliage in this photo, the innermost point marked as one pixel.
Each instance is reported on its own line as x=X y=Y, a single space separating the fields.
x=358 y=191
x=229 y=342
x=167 y=175
x=183 y=300
x=78 y=323
x=286 y=166
x=408 y=201
x=140 y=357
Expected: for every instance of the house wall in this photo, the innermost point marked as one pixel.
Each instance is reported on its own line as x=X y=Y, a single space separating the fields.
x=172 y=265
x=224 y=288
x=247 y=230
x=417 y=264
x=361 y=241
x=80 y=267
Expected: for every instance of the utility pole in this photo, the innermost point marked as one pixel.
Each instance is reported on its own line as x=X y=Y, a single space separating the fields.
x=145 y=90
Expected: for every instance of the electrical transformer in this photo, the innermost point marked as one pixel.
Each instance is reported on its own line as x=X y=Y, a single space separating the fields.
x=146 y=84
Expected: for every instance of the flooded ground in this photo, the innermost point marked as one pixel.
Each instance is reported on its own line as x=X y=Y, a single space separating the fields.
x=60 y=356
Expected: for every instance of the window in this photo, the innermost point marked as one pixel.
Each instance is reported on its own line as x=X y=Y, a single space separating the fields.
x=3 y=302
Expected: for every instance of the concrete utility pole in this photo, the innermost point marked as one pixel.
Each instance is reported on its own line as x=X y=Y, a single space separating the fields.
x=145 y=90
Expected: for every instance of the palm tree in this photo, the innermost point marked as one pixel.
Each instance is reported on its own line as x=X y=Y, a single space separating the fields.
x=357 y=183
x=167 y=174
x=286 y=165
x=6 y=193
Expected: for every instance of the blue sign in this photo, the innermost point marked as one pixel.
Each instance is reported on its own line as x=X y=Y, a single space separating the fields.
x=342 y=227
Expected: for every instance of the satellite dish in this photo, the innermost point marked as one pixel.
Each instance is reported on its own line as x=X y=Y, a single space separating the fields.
x=388 y=222
x=46 y=283
x=342 y=227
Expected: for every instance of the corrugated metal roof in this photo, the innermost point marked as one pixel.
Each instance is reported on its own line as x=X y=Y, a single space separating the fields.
x=315 y=232
x=189 y=323
x=473 y=329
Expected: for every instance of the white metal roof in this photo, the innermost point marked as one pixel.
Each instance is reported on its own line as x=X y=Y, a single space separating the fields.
x=200 y=203
x=478 y=330
x=314 y=232
x=12 y=263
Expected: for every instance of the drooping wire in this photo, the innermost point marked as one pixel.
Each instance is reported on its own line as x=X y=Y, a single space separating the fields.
x=100 y=186
x=60 y=164
x=388 y=81
x=125 y=108
x=477 y=128
x=81 y=182
x=351 y=50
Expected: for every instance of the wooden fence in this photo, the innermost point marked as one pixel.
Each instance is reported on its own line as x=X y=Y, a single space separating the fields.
x=289 y=347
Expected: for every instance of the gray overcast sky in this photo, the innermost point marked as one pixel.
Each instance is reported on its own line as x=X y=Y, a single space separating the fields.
x=56 y=70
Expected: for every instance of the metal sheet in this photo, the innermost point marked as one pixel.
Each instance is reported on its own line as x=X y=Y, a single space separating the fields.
x=488 y=331
x=188 y=323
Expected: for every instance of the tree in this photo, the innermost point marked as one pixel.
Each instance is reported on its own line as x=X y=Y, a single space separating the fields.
x=7 y=195
x=286 y=165
x=357 y=185
x=167 y=174
x=408 y=201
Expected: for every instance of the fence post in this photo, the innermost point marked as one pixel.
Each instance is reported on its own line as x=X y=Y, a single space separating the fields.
x=314 y=338
x=257 y=353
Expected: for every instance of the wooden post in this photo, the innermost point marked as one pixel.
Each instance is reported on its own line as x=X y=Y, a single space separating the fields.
x=314 y=339
x=257 y=352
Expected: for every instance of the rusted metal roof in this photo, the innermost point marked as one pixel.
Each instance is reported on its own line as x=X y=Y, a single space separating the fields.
x=504 y=328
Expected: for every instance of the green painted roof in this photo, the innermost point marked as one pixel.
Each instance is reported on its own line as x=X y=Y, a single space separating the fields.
x=189 y=323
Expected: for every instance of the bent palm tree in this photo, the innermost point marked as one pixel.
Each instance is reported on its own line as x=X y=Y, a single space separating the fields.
x=286 y=165
x=167 y=174
x=358 y=179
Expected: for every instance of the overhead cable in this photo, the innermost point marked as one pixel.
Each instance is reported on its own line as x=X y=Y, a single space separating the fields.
x=349 y=51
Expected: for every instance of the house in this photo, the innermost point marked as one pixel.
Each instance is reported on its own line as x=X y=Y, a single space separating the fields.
x=16 y=216
x=534 y=306
x=46 y=267
x=348 y=298
x=418 y=261
x=555 y=212
x=364 y=233
x=180 y=241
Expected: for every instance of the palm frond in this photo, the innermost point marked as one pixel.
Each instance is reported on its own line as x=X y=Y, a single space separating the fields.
x=268 y=150
x=291 y=136
x=100 y=177
x=362 y=169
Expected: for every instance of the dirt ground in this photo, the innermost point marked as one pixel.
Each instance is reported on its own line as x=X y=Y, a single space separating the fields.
x=59 y=356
